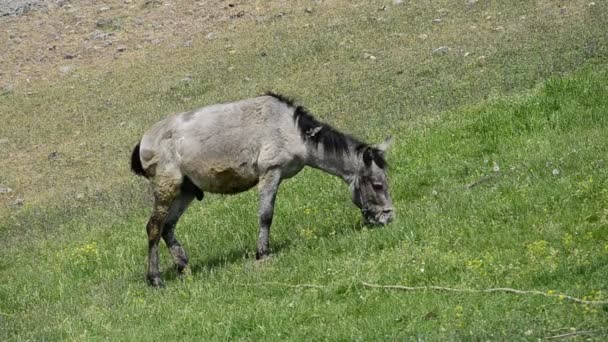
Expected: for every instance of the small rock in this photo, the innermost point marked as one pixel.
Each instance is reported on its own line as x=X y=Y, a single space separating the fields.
x=186 y=79
x=53 y=155
x=79 y=196
x=64 y=69
x=555 y=172
x=481 y=60
x=441 y=50
x=69 y=56
x=5 y=190
x=104 y=9
x=99 y=35
x=592 y=3
x=423 y=36
x=499 y=29
x=471 y=2
x=437 y=20
x=121 y=48
x=397 y=2
x=529 y=332
x=369 y=56
x=211 y=35
x=308 y=10
x=19 y=202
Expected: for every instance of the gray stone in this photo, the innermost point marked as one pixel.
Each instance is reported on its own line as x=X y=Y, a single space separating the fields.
x=99 y=35
x=18 y=7
x=441 y=50
x=65 y=69
x=5 y=190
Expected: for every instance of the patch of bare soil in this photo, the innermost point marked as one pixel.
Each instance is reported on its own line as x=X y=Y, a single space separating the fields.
x=45 y=41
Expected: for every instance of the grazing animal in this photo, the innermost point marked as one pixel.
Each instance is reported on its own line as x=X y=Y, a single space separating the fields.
x=229 y=148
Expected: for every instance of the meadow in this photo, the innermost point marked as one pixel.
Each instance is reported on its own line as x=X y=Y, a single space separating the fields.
x=499 y=111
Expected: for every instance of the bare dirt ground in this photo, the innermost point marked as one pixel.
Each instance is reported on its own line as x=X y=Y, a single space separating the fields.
x=42 y=39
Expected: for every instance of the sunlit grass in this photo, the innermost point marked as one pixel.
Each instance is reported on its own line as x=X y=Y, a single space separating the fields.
x=497 y=174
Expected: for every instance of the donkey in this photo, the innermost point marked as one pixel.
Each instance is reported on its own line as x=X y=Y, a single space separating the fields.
x=229 y=148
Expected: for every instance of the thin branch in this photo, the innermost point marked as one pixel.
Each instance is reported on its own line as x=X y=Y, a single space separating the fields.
x=499 y=289
x=442 y=288
x=308 y=286
x=481 y=180
x=582 y=332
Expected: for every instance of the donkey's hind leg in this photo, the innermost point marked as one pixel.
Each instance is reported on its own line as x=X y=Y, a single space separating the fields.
x=166 y=190
x=178 y=207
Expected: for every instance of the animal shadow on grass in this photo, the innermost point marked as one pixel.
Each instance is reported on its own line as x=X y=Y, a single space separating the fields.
x=219 y=261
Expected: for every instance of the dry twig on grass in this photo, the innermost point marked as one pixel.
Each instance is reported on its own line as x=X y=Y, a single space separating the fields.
x=309 y=286
x=445 y=289
x=498 y=289
x=574 y=333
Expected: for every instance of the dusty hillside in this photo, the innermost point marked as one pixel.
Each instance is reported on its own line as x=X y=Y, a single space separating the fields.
x=43 y=39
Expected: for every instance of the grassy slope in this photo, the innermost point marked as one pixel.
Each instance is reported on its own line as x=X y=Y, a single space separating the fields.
x=78 y=272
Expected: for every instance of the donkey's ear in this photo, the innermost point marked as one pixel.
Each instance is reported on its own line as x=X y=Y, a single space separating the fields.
x=385 y=144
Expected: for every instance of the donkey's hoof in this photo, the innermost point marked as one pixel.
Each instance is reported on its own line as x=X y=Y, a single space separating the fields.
x=155 y=281
x=183 y=270
x=181 y=266
x=263 y=257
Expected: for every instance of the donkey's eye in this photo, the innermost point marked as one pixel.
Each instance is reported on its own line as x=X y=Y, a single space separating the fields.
x=378 y=186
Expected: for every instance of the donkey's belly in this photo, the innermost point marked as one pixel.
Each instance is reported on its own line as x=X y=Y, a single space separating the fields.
x=225 y=180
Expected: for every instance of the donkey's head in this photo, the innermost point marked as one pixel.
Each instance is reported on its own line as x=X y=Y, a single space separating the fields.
x=369 y=186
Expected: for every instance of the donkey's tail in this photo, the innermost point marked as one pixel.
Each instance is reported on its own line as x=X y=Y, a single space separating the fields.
x=136 y=166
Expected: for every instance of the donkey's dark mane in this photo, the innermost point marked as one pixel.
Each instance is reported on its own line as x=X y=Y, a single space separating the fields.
x=332 y=140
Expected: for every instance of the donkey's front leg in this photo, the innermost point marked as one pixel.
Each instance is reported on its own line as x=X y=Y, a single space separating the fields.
x=268 y=187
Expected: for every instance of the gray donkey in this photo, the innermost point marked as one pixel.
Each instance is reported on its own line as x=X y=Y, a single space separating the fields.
x=229 y=148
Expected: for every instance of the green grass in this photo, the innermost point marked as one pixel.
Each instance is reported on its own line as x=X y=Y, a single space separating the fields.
x=497 y=173
x=526 y=226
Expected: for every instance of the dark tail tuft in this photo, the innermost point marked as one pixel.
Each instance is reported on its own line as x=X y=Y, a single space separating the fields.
x=136 y=166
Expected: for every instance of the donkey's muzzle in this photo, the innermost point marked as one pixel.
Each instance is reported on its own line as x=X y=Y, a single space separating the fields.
x=381 y=217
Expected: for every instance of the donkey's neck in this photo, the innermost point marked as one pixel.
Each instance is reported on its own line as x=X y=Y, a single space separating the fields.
x=341 y=163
